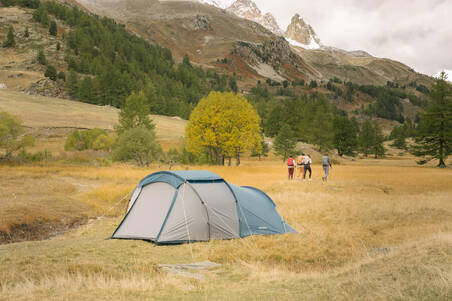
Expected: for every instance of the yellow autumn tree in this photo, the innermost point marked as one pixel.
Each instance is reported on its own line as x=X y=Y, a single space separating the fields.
x=224 y=125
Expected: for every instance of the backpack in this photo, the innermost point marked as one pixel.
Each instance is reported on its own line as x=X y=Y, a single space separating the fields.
x=290 y=162
x=300 y=160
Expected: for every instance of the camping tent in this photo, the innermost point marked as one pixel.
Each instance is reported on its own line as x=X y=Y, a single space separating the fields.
x=186 y=206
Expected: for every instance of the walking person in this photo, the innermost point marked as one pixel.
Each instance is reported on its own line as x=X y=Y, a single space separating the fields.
x=300 y=165
x=291 y=167
x=307 y=161
x=326 y=163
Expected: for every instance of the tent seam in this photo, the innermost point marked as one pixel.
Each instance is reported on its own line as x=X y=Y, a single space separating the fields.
x=168 y=214
x=238 y=207
x=205 y=206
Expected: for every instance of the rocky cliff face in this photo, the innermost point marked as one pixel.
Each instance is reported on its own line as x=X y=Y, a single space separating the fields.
x=247 y=9
x=299 y=33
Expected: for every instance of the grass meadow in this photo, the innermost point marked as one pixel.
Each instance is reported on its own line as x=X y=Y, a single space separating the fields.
x=378 y=230
x=373 y=232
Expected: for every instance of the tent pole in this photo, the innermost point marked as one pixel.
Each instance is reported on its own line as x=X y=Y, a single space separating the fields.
x=205 y=206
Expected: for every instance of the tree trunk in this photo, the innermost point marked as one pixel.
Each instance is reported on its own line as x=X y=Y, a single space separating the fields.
x=229 y=161
x=211 y=155
x=441 y=164
x=237 y=161
x=217 y=157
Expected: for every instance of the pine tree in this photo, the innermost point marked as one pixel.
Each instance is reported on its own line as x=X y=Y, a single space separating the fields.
x=85 y=91
x=51 y=72
x=399 y=136
x=434 y=135
x=378 y=149
x=313 y=84
x=233 y=85
x=10 y=39
x=72 y=83
x=53 y=28
x=321 y=131
x=345 y=136
x=285 y=142
x=42 y=57
x=399 y=142
x=186 y=61
x=62 y=75
x=365 y=138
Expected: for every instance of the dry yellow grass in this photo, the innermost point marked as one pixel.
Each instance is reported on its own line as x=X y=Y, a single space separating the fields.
x=371 y=233
x=51 y=119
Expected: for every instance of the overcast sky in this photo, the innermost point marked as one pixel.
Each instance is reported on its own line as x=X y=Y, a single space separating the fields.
x=415 y=32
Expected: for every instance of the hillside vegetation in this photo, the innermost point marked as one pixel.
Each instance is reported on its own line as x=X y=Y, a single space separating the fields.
x=53 y=118
x=103 y=63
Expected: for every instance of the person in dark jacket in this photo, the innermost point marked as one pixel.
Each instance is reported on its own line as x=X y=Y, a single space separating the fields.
x=307 y=161
x=326 y=163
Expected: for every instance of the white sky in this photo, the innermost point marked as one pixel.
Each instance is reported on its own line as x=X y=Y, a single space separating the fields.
x=415 y=32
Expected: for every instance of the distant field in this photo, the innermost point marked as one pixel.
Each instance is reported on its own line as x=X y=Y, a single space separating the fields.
x=371 y=233
x=54 y=117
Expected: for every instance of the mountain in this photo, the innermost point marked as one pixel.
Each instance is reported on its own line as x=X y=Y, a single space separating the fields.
x=221 y=42
x=210 y=36
x=218 y=3
x=301 y=34
x=247 y=9
x=298 y=33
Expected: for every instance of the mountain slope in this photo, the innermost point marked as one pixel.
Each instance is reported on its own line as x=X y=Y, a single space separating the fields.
x=222 y=42
x=211 y=37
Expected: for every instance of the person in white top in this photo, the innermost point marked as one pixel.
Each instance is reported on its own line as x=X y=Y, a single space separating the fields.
x=307 y=166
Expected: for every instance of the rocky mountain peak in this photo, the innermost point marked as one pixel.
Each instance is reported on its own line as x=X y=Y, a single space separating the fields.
x=299 y=33
x=247 y=9
x=218 y=3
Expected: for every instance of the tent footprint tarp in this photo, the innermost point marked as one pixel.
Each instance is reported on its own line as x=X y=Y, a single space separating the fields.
x=187 y=206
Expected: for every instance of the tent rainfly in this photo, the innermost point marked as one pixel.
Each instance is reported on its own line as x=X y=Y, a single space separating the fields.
x=187 y=206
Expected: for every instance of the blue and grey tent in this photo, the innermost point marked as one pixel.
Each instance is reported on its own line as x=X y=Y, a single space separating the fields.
x=187 y=206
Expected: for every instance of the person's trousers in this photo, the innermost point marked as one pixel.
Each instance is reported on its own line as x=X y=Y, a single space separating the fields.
x=291 y=173
x=326 y=169
x=307 y=168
